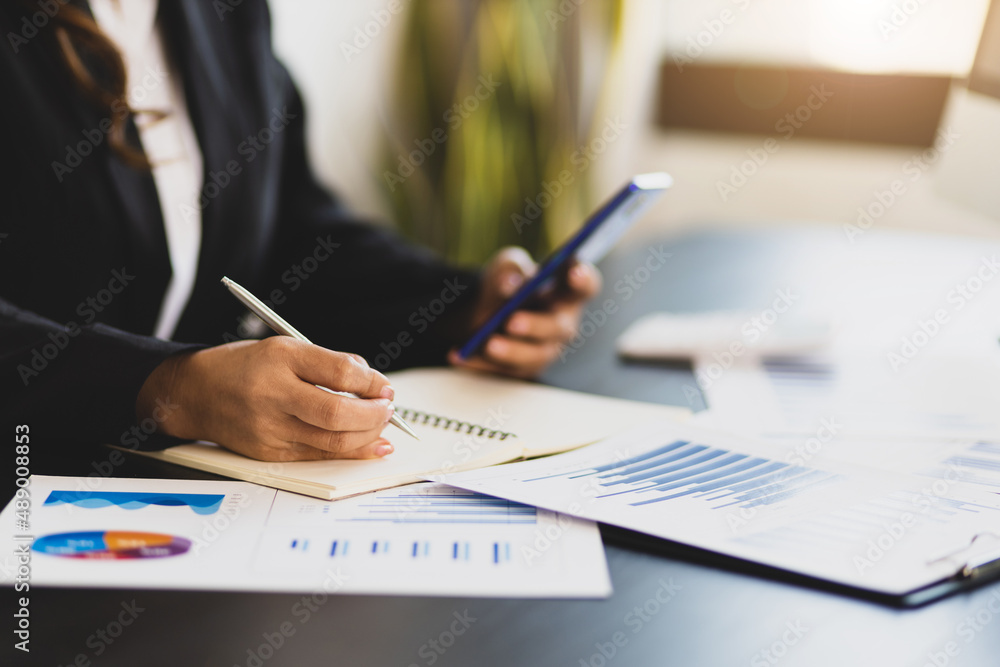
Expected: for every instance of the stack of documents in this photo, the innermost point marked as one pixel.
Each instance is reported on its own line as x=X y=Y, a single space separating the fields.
x=891 y=533
x=390 y=533
x=422 y=539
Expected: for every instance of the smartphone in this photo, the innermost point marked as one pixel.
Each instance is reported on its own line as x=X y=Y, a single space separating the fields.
x=598 y=235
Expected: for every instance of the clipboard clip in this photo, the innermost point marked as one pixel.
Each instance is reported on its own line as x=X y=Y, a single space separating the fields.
x=975 y=562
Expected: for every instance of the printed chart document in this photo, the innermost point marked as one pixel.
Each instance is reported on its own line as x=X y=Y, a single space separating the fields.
x=862 y=527
x=422 y=539
x=934 y=396
x=465 y=420
x=936 y=417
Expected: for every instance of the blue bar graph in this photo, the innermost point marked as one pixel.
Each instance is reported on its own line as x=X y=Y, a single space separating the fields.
x=854 y=526
x=979 y=463
x=453 y=506
x=682 y=468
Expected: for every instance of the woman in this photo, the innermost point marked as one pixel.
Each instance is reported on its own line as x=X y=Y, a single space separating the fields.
x=152 y=149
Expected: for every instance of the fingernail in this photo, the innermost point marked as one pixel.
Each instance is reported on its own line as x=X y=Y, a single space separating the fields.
x=518 y=325
x=497 y=346
x=578 y=273
x=511 y=283
x=384 y=450
x=388 y=392
x=392 y=409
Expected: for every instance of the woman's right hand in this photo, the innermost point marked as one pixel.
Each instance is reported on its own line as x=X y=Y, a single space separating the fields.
x=259 y=398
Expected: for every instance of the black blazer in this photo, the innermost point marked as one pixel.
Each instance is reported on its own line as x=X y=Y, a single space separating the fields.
x=83 y=257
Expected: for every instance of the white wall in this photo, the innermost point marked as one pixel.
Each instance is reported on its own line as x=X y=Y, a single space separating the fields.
x=929 y=36
x=345 y=92
x=806 y=180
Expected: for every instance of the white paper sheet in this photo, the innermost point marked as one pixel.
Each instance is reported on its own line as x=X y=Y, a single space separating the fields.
x=423 y=539
x=933 y=397
x=858 y=526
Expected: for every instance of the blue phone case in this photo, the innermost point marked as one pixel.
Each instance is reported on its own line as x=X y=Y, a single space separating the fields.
x=597 y=236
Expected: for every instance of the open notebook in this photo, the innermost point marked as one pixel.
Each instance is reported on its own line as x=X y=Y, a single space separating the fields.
x=465 y=421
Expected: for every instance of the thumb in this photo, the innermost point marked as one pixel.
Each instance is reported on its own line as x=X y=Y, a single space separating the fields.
x=508 y=270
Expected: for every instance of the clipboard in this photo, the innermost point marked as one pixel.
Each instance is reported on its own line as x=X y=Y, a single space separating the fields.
x=969 y=575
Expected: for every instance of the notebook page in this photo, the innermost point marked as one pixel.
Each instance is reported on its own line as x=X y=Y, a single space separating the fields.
x=465 y=421
x=545 y=419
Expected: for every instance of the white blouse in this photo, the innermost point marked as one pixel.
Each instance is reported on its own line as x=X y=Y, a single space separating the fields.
x=170 y=142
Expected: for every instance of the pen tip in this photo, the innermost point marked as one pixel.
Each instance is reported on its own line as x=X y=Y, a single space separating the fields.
x=225 y=281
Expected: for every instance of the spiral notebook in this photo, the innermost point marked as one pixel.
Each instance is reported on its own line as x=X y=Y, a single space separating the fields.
x=465 y=421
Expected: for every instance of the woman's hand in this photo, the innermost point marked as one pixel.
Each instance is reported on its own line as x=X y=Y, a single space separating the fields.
x=258 y=398
x=531 y=339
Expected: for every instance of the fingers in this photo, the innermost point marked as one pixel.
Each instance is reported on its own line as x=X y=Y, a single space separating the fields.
x=337 y=444
x=338 y=371
x=297 y=451
x=559 y=325
x=509 y=269
x=509 y=356
x=583 y=282
x=331 y=412
x=531 y=356
x=286 y=437
x=485 y=365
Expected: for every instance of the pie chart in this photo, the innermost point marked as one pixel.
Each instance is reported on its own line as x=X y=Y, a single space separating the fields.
x=111 y=545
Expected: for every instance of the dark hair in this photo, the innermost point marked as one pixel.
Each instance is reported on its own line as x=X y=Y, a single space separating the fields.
x=97 y=69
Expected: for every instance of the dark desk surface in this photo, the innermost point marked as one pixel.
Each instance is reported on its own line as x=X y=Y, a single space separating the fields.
x=717 y=617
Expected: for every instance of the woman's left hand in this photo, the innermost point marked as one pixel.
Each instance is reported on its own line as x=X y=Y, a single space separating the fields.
x=530 y=340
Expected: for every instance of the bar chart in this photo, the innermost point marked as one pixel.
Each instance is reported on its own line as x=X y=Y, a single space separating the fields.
x=834 y=520
x=430 y=536
x=720 y=477
x=414 y=504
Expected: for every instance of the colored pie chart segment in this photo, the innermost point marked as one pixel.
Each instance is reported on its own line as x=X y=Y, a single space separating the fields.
x=111 y=545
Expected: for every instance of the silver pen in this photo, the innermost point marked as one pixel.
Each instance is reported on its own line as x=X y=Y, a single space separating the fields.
x=275 y=321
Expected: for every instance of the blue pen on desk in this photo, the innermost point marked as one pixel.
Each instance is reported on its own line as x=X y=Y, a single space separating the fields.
x=276 y=322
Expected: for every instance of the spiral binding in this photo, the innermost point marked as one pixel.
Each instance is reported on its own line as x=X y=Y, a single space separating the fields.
x=438 y=421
